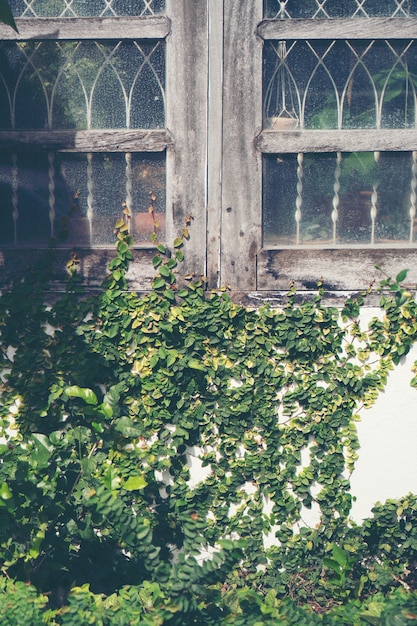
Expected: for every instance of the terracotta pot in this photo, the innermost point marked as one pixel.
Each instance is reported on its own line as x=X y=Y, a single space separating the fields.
x=144 y=224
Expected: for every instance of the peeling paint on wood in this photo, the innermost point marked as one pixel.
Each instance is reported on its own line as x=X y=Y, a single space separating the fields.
x=340 y=269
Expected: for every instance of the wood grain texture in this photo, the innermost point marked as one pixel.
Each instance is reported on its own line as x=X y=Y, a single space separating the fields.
x=186 y=94
x=242 y=163
x=293 y=141
x=14 y=263
x=214 y=141
x=151 y=27
x=337 y=28
x=135 y=140
x=339 y=269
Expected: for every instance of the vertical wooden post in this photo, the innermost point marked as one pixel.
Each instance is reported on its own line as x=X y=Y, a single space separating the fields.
x=242 y=163
x=186 y=119
x=215 y=140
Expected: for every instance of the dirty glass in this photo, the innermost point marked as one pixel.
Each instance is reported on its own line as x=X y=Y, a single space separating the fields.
x=322 y=9
x=86 y=8
x=82 y=84
x=340 y=84
x=74 y=200
x=362 y=198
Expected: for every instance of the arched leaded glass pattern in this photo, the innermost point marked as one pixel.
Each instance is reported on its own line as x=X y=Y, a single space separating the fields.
x=86 y=8
x=341 y=84
x=82 y=84
x=322 y=9
x=340 y=117
x=82 y=121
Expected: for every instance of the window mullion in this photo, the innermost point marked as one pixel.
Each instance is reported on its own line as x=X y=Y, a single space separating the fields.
x=186 y=119
x=242 y=162
x=214 y=139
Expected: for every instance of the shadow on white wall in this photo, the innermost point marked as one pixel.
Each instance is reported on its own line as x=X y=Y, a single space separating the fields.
x=387 y=464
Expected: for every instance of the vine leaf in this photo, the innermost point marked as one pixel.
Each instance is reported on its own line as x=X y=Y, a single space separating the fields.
x=85 y=394
x=135 y=483
x=6 y=15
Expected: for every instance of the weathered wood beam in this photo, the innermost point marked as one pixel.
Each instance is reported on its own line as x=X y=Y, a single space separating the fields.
x=334 y=28
x=119 y=140
x=150 y=27
x=338 y=268
x=365 y=140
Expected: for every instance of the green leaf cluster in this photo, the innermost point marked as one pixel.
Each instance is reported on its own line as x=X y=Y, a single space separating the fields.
x=110 y=402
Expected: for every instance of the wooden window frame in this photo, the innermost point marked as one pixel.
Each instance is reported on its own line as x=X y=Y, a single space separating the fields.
x=255 y=272
x=214 y=141
x=183 y=27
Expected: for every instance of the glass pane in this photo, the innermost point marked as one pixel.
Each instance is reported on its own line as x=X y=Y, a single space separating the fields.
x=85 y=8
x=75 y=199
x=340 y=84
x=323 y=9
x=82 y=85
x=360 y=197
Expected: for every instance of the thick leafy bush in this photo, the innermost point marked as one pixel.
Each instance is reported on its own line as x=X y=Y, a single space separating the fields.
x=151 y=444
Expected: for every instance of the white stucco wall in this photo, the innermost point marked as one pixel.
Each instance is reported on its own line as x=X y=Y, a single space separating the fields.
x=387 y=464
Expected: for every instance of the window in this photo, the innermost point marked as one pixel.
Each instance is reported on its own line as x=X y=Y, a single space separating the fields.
x=342 y=78
x=334 y=123
x=88 y=119
x=61 y=93
x=286 y=128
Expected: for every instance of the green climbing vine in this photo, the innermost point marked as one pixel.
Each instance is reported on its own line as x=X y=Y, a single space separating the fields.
x=151 y=443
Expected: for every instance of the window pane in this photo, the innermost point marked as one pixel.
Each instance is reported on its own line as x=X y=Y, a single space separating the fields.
x=85 y=8
x=319 y=9
x=75 y=199
x=82 y=85
x=340 y=84
x=360 y=197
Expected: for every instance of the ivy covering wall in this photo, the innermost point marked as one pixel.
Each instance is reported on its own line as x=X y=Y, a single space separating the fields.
x=110 y=402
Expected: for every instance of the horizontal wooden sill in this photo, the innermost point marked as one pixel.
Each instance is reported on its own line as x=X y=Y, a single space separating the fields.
x=69 y=28
x=355 y=140
x=114 y=140
x=339 y=269
x=339 y=28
